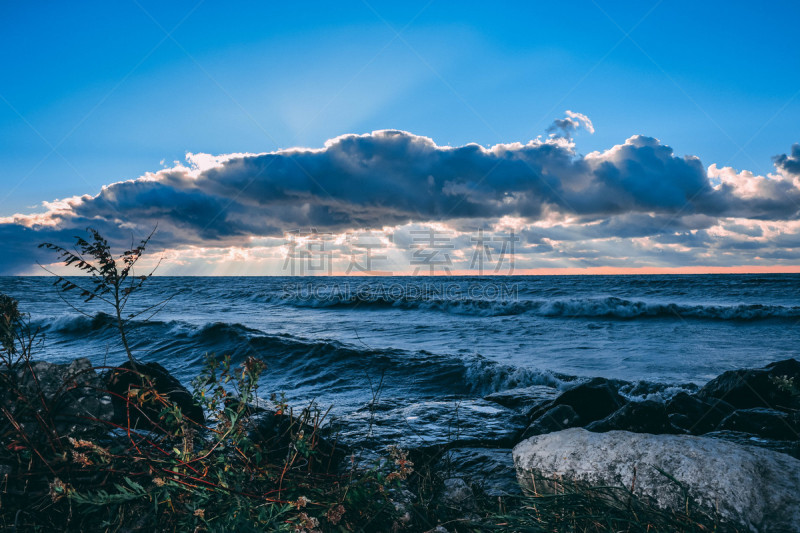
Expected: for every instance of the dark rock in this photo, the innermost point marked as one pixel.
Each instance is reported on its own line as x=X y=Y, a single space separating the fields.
x=701 y=416
x=753 y=387
x=123 y=378
x=786 y=375
x=402 y=500
x=788 y=367
x=279 y=434
x=789 y=447
x=487 y=465
x=680 y=422
x=558 y=418
x=765 y=423
x=457 y=493
x=592 y=400
x=72 y=396
x=741 y=388
x=524 y=396
x=639 y=417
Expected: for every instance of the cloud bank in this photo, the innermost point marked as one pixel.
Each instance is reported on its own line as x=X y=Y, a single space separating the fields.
x=636 y=203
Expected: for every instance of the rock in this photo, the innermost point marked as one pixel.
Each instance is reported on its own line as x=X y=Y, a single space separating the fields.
x=765 y=423
x=556 y=419
x=640 y=417
x=787 y=373
x=700 y=416
x=457 y=494
x=523 y=396
x=73 y=395
x=789 y=447
x=680 y=422
x=120 y=379
x=488 y=465
x=402 y=500
x=748 y=486
x=592 y=400
x=278 y=434
x=789 y=368
x=754 y=387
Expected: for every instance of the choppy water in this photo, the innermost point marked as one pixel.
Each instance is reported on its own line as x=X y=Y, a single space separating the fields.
x=428 y=350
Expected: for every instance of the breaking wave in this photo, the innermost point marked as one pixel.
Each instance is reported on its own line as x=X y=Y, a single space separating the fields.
x=608 y=307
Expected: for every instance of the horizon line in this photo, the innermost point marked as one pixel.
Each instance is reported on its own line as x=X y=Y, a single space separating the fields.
x=562 y=271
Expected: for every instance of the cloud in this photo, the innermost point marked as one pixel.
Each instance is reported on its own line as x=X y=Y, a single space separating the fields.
x=572 y=122
x=789 y=163
x=390 y=178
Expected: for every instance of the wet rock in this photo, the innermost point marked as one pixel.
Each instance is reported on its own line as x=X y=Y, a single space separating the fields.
x=593 y=400
x=120 y=380
x=491 y=467
x=786 y=375
x=680 y=423
x=524 y=396
x=788 y=447
x=747 y=486
x=748 y=388
x=789 y=368
x=700 y=416
x=456 y=493
x=402 y=500
x=765 y=423
x=558 y=418
x=640 y=417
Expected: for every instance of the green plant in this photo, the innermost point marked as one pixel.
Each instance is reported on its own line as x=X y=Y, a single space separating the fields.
x=17 y=338
x=111 y=278
x=787 y=384
x=9 y=318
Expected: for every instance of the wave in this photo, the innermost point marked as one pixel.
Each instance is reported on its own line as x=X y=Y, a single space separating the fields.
x=608 y=307
x=613 y=307
x=298 y=363
x=76 y=324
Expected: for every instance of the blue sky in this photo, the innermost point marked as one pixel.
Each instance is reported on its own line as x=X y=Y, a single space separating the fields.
x=104 y=92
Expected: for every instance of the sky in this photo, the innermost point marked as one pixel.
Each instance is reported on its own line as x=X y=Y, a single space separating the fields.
x=415 y=137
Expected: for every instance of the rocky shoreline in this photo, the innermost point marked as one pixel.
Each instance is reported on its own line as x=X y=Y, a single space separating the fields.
x=731 y=448
x=760 y=407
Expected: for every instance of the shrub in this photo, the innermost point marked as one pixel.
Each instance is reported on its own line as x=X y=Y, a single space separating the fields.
x=111 y=278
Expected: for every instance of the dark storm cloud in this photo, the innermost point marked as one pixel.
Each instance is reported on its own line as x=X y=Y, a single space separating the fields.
x=635 y=189
x=622 y=226
x=790 y=163
x=754 y=231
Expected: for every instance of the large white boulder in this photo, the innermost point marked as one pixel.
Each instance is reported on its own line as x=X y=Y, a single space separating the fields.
x=752 y=487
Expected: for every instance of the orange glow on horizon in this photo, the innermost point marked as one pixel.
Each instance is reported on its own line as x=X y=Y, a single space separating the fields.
x=608 y=271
